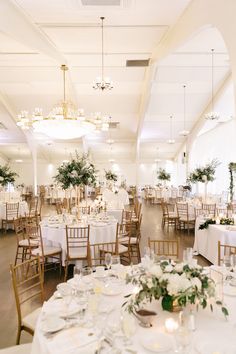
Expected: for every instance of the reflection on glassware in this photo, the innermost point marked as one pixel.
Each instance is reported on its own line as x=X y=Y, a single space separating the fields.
x=183 y=340
x=233 y=262
x=77 y=274
x=128 y=326
x=226 y=261
x=108 y=260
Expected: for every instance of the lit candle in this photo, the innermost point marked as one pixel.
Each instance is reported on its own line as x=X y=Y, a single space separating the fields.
x=171 y=325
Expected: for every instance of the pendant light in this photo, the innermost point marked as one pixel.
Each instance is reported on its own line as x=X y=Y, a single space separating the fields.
x=171 y=140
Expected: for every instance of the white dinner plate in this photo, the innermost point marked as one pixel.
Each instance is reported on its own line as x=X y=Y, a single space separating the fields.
x=229 y=290
x=214 y=347
x=53 y=324
x=157 y=342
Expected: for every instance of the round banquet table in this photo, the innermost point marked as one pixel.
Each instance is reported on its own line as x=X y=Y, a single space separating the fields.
x=23 y=209
x=55 y=235
x=211 y=328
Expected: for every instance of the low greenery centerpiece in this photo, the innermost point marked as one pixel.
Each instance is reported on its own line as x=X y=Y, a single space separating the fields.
x=205 y=173
x=111 y=176
x=223 y=221
x=79 y=171
x=6 y=175
x=174 y=284
x=163 y=175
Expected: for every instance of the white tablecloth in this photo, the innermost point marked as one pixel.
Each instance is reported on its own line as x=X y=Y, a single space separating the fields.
x=98 y=234
x=10 y=196
x=23 y=209
x=206 y=241
x=119 y=198
x=211 y=327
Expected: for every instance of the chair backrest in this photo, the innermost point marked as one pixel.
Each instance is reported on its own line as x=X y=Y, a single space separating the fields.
x=19 y=230
x=198 y=212
x=12 y=211
x=27 y=281
x=182 y=209
x=59 y=207
x=84 y=210
x=33 y=206
x=126 y=216
x=210 y=208
x=99 y=250
x=224 y=250
x=222 y=211
x=33 y=232
x=77 y=237
x=168 y=248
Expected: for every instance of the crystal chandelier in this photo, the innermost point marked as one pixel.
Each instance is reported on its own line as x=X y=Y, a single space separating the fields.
x=184 y=132
x=103 y=83
x=65 y=121
x=212 y=115
x=171 y=140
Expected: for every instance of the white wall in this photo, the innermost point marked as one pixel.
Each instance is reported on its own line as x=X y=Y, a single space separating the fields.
x=218 y=143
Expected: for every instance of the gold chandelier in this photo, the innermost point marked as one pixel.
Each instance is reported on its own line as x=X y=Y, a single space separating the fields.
x=64 y=121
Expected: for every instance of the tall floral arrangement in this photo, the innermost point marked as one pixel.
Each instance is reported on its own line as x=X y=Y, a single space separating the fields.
x=78 y=171
x=232 y=170
x=6 y=175
x=204 y=173
x=111 y=176
x=163 y=175
x=174 y=284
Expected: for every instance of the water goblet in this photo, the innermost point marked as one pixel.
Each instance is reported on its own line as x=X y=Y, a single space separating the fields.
x=77 y=274
x=233 y=262
x=108 y=260
x=128 y=326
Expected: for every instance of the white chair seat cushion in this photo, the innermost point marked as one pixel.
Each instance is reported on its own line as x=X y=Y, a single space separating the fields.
x=31 y=319
x=47 y=250
x=78 y=252
x=122 y=249
x=17 y=349
x=125 y=240
x=26 y=243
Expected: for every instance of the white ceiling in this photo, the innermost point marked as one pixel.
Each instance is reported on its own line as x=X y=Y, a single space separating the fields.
x=30 y=77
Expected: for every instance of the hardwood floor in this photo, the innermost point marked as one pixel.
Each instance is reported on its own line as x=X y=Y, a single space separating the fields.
x=8 y=318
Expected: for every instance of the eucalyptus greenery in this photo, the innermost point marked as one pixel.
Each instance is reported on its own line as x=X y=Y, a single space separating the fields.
x=6 y=175
x=232 y=170
x=79 y=171
x=163 y=175
x=223 y=221
x=111 y=176
x=204 y=173
x=179 y=284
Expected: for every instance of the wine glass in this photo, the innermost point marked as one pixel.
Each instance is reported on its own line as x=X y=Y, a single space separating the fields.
x=128 y=326
x=233 y=262
x=108 y=260
x=77 y=274
x=183 y=339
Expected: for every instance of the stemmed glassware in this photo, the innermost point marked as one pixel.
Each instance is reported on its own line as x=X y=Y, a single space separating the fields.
x=108 y=260
x=128 y=326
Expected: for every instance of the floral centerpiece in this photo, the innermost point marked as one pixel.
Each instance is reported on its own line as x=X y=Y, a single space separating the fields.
x=212 y=221
x=204 y=173
x=163 y=175
x=6 y=175
x=111 y=176
x=79 y=171
x=174 y=284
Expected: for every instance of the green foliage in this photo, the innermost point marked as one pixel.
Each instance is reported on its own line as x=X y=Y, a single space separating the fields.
x=204 y=173
x=79 y=171
x=232 y=170
x=111 y=176
x=6 y=175
x=163 y=175
x=174 y=284
x=223 y=221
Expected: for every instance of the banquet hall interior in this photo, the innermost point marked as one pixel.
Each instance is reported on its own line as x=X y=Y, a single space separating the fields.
x=117 y=176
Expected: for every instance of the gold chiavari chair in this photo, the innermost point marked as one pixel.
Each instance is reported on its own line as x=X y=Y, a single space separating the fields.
x=24 y=243
x=77 y=245
x=45 y=252
x=167 y=248
x=58 y=207
x=126 y=217
x=99 y=250
x=84 y=210
x=185 y=218
x=33 y=206
x=169 y=215
x=198 y=212
x=12 y=212
x=124 y=241
x=27 y=281
x=133 y=242
x=210 y=209
x=222 y=211
x=225 y=250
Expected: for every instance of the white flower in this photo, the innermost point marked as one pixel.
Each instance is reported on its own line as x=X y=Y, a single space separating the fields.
x=149 y=283
x=168 y=268
x=156 y=271
x=179 y=267
x=177 y=284
x=196 y=282
x=165 y=276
